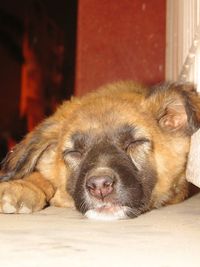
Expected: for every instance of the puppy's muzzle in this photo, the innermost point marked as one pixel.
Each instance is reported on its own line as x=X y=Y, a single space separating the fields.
x=100 y=186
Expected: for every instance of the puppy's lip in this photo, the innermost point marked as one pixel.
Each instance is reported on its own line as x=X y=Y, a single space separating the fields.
x=108 y=208
x=107 y=212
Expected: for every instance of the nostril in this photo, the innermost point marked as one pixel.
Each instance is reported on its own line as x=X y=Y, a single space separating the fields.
x=90 y=185
x=108 y=183
x=99 y=182
x=100 y=186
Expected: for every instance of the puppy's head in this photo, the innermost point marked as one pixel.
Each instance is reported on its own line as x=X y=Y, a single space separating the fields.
x=127 y=155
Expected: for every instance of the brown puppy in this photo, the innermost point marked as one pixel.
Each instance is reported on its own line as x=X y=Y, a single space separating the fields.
x=114 y=153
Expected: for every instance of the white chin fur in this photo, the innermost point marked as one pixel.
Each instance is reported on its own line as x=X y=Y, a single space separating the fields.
x=95 y=214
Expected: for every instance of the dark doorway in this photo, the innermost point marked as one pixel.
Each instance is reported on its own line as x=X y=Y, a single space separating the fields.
x=13 y=14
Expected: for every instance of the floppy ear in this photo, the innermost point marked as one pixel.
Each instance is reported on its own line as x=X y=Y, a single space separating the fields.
x=23 y=159
x=176 y=107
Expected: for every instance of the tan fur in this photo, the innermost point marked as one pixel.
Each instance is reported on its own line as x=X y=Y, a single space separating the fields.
x=43 y=177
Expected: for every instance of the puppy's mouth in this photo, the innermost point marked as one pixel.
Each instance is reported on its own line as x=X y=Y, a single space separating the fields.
x=110 y=212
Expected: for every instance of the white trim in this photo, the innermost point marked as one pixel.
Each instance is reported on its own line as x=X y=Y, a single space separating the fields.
x=183 y=40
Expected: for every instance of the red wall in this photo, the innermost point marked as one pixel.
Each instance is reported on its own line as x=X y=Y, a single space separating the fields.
x=10 y=76
x=119 y=39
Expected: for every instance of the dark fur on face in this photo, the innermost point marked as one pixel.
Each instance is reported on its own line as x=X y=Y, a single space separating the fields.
x=110 y=157
x=121 y=170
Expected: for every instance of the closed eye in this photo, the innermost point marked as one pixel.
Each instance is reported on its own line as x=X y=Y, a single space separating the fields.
x=136 y=143
x=76 y=154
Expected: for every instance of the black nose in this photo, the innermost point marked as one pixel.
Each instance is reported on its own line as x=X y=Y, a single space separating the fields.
x=100 y=186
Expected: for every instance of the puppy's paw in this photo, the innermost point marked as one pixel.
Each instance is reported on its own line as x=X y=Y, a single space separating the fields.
x=62 y=199
x=20 y=196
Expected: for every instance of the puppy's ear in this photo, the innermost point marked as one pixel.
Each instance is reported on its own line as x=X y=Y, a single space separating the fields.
x=176 y=107
x=23 y=159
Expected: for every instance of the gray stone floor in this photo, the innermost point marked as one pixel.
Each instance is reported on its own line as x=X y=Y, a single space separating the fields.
x=55 y=237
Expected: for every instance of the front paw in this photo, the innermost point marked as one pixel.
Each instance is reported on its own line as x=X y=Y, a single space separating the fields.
x=62 y=199
x=21 y=196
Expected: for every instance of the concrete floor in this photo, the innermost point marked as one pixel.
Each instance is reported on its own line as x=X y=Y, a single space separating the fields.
x=55 y=237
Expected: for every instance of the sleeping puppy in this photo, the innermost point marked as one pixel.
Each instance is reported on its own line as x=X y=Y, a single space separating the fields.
x=115 y=153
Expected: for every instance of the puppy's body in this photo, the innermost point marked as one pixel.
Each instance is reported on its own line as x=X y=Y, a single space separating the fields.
x=117 y=152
